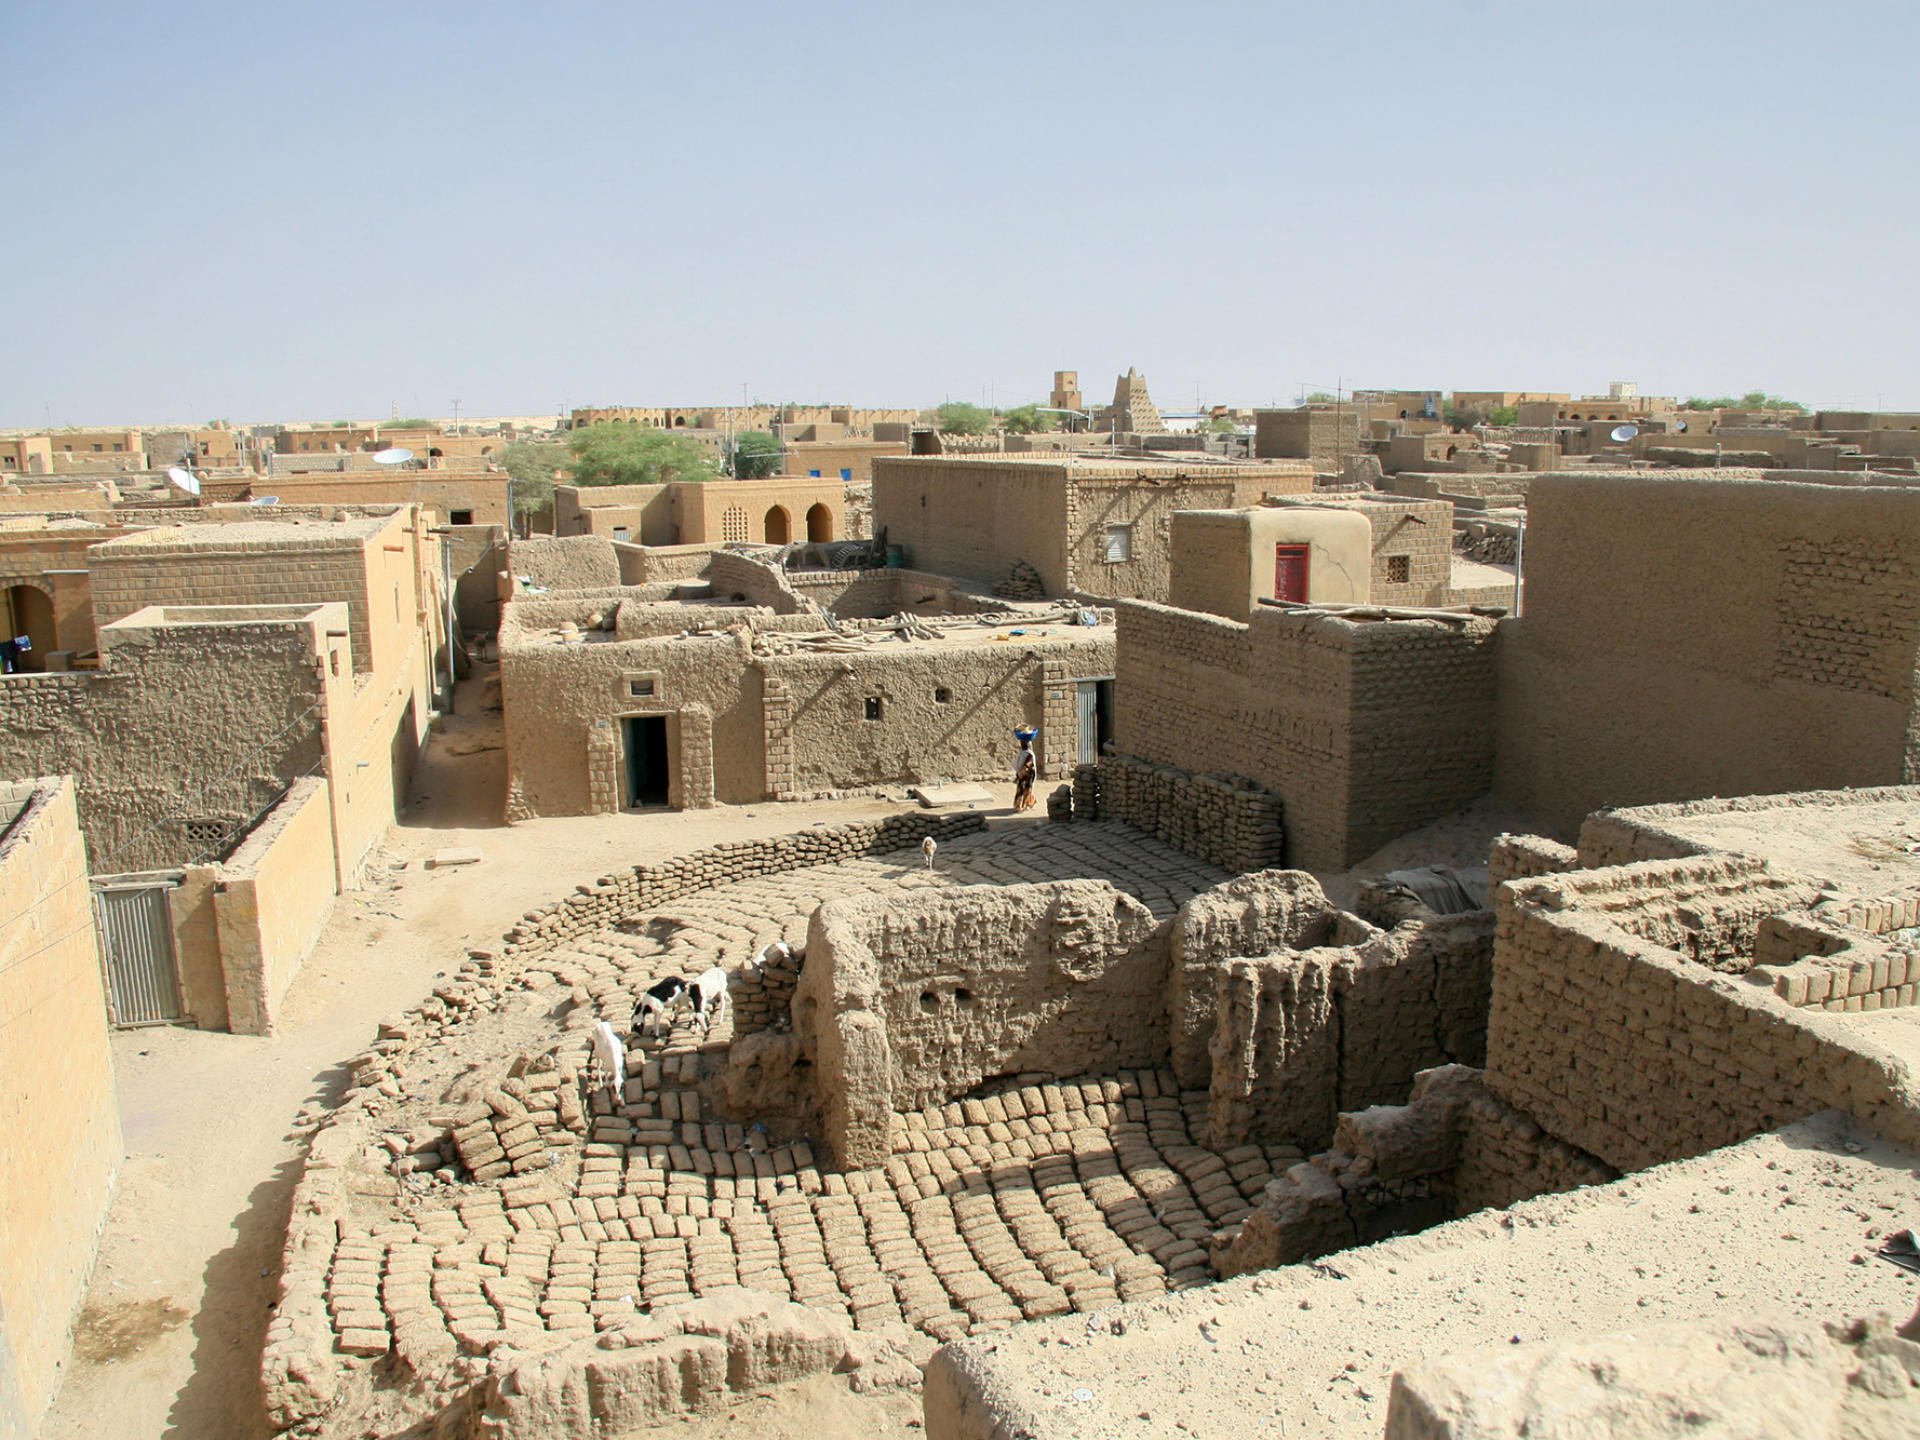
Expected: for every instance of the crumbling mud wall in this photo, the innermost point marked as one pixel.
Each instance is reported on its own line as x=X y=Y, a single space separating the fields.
x=910 y=1002
x=1300 y=1036
x=1450 y=1150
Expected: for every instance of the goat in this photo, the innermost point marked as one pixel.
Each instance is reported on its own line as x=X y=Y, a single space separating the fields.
x=609 y=1061
x=663 y=997
x=927 y=847
x=709 y=997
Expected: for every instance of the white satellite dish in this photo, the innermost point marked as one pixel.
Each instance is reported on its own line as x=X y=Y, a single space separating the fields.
x=1623 y=433
x=395 y=456
x=1679 y=427
x=185 y=479
x=264 y=500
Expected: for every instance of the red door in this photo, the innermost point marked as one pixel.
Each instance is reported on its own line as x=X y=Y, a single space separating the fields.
x=1290 y=572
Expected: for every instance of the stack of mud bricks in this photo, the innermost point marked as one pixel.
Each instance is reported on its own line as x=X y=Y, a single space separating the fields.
x=509 y=1130
x=761 y=997
x=778 y=701
x=1835 y=959
x=1225 y=819
x=614 y=898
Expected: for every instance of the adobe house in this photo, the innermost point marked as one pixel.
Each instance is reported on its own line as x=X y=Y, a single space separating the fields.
x=781 y=685
x=1059 y=526
x=775 y=511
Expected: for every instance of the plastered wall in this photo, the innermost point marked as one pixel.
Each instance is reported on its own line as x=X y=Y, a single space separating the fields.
x=57 y=1108
x=278 y=892
x=1693 y=637
x=945 y=711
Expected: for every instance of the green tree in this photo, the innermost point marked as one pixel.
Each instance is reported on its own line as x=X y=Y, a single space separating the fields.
x=1320 y=397
x=1504 y=415
x=532 y=464
x=1752 y=400
x=1221 y=425
x=756 y=455
x=1467 y=418
x=957 y=417
x=631 y=455
x=1029 y=419
x=410 y=422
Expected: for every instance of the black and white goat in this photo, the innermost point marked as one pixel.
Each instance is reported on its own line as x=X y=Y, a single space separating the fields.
x=656 y=1007
x=709 y=997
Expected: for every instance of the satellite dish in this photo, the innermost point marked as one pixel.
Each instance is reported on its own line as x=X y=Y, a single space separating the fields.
x=1679 y=427
x=264 y=500
x=395 y=456
x=185 y=479
x=1623 y=433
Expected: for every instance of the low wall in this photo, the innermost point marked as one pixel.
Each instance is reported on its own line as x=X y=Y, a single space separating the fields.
x=734 y=575
x=908 y=1002
x=278 y=892
x=662 y=564
x=1638 y=1054
x=569 y=562
x=1224 y=819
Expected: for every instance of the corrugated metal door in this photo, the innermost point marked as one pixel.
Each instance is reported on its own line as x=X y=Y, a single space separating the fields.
x=1089 y=721
x=136 y=942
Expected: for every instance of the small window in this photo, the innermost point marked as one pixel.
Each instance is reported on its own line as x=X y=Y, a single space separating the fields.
x=942 y=694
x=620 y=533
x=1399 y=569
x=462 y=517
x=1119 y=544
x=813 y=474
x=873 y=707
x=846 y=473
x=640 y=689
x=205 y=838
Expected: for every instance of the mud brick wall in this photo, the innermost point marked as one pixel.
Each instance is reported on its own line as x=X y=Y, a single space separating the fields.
x=1220 y=818
x=569 y=562
x=912 y=1002
x=1362 y=729
x=1638 y=1055
x=1785 y=623
x=761 y=997
x=210 y=720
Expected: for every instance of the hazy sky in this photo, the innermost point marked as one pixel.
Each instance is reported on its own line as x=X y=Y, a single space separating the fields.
x=287 y=211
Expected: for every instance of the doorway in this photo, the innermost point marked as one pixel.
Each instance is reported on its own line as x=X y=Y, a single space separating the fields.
x=645 y=742
x=1096 y=718
x=779 y=526
x=29 y=613
x=1290 y=573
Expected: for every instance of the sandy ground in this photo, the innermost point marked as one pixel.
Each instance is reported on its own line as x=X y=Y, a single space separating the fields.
x=169 y=1341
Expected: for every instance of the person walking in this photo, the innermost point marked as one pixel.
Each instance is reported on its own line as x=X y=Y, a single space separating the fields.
x=1026 y=770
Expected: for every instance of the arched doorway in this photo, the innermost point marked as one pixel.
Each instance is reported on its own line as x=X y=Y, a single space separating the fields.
x=29 y=612
x=779 y=526
x=819 y=523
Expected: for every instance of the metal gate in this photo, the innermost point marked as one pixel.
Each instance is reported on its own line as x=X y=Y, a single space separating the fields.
x=136 y=945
